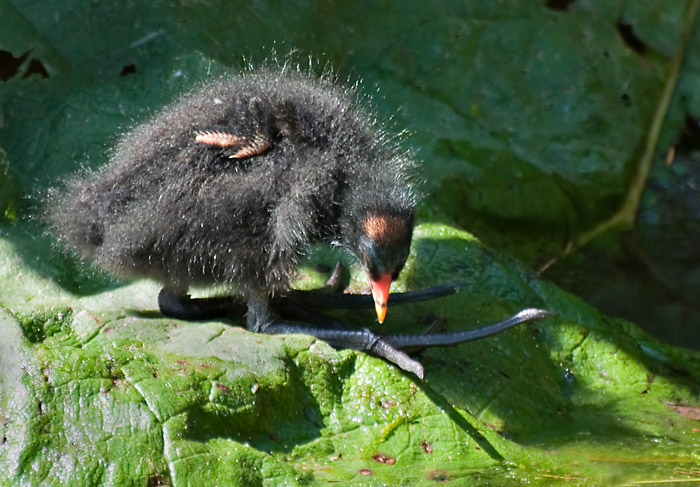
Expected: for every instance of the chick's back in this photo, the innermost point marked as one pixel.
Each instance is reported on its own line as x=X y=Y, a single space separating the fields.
x=186 y=213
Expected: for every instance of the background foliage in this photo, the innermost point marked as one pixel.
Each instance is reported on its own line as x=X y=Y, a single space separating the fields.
x=561 y=133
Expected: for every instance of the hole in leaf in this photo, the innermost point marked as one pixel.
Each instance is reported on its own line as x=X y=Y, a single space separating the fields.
x=633 y=42
x=128 y=69
x=626 y=100
x=35 y=67
x=561 y=5
x=11 y=66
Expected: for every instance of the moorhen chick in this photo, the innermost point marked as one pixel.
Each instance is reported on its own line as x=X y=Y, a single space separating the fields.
x=232 y=183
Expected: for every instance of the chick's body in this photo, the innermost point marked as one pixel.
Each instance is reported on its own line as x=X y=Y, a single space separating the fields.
x=309 y=164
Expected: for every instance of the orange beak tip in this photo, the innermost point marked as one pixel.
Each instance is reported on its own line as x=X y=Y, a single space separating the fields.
x=380 y=293
x=381 y=312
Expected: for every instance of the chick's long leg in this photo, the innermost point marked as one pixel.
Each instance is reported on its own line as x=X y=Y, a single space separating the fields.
x=260 y=320
x=457 y=337
x=388 y=347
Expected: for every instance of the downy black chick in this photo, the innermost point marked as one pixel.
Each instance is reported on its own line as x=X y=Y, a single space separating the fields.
x=232 y=183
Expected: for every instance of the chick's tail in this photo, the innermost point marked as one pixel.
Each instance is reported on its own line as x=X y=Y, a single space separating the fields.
x=76 y=216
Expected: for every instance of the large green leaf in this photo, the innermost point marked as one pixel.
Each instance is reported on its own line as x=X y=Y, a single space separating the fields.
x=102 y=388
x=531 y=120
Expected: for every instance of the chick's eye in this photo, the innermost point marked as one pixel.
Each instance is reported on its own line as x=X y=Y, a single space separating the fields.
x=370 y=264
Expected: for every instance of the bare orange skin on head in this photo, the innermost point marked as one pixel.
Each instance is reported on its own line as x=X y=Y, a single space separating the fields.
x=380 y=228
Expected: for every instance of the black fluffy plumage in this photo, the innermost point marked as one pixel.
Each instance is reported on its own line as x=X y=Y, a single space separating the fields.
x=185 y=213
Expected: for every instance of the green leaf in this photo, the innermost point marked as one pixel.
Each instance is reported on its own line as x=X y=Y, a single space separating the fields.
x=104 y=389
x=530 y=122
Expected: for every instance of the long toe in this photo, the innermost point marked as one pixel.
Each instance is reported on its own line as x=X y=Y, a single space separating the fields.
x=321 y=299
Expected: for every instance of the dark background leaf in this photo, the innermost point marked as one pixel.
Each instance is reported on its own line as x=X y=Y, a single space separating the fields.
x=530 y=119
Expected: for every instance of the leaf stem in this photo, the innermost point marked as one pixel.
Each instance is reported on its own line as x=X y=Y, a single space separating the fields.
x=625 y=217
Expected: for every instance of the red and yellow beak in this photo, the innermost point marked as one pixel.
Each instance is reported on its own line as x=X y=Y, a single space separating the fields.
x=380 y=293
